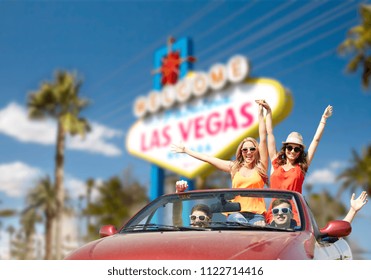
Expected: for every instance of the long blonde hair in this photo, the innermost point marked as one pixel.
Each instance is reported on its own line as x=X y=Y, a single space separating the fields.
x=239 y=161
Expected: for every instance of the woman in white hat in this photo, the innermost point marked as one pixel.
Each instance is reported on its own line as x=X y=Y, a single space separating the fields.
x=291 y=162
x=248 y=170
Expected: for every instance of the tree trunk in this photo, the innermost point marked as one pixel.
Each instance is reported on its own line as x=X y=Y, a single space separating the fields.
x=59 y=189
x=48 y=237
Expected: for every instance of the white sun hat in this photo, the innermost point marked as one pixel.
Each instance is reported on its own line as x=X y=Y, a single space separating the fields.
x=294 y=138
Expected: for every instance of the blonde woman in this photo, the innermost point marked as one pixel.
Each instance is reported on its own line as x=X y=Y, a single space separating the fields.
x=248 y=170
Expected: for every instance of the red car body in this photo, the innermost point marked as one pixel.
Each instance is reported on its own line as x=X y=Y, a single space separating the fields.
x=305 y=243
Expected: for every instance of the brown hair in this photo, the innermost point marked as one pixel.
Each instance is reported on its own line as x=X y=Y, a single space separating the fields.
x=279 y=201
x=239 y=161
x=301 y=160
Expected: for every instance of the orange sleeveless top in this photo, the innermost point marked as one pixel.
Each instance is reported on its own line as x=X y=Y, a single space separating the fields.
x=254 y=205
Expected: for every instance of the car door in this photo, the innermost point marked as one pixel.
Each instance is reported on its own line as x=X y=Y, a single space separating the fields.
x=325 y=250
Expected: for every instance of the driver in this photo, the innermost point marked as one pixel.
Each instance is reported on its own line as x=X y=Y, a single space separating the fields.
x=200 y=214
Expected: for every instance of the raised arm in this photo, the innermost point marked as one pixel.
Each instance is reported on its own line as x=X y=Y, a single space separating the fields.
x=263 y=149
x=269 y=129
x=317 y=136
x=223 y=165
x=180 y=186
x=355 y=206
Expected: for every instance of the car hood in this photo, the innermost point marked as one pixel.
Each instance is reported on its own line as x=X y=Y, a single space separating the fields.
x=192 y=245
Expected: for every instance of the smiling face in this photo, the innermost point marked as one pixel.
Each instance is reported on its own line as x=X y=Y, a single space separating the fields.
x=282 y=215
x=199 y=219
x=249 y=151
x=293 y=151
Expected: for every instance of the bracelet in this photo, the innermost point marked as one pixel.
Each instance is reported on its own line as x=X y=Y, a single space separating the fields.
x=325 y=116
x=323 y=122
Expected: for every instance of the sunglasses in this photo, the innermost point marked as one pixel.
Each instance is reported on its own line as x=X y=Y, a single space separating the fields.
x=296 y=149
x=245 y=150
x=201 y=217
x=283 y=210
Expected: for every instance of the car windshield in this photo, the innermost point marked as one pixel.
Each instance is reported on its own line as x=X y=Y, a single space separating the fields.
x=177 y=212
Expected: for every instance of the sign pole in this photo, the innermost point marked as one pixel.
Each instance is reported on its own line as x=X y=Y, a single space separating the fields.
x=157 y=181
x=184 y=47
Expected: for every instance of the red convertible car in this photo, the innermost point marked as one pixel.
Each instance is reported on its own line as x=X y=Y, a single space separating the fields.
x=165 y=230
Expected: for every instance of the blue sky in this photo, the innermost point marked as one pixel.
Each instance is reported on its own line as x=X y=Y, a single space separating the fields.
x=111 y=45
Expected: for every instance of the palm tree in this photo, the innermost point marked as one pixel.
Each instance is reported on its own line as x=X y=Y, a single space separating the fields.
x=10 y=230
x=115 y=204
x=60 y=100
x=358 y=175
x=7 y=212
x=325 y=207
x=359 y=43
x=19 y=247
x=43 y=198
x=90 y=183
x=28 y=221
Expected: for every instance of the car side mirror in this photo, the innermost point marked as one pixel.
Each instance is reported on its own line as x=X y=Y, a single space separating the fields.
x=107 y=230
x=336 y=229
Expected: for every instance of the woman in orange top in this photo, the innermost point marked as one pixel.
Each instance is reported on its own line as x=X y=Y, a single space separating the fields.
x=248 y=170
x=291 y=163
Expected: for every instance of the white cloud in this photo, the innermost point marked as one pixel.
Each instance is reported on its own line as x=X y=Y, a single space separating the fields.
x=96 y=141
x=74 y=186
x=16 y=178
x=337 y=165
x=77 y=187
x=324 y=176
x=327 y=175
x=15 y=123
